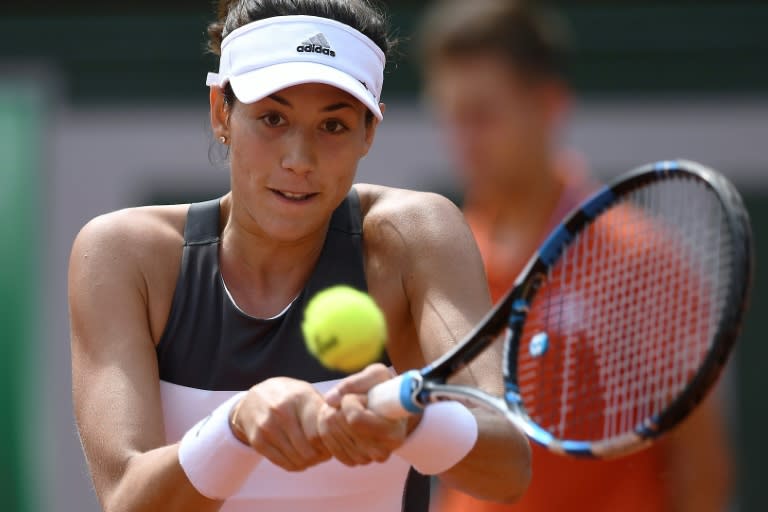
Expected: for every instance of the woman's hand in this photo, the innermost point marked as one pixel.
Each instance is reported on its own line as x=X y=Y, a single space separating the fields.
x=350 y=431
x=279 y=418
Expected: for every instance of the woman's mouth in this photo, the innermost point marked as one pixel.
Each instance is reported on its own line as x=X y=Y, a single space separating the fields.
x=294 y=196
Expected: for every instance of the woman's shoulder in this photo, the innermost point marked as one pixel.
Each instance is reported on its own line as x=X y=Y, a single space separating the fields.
x=410 y=212
x=142 y=228
x=135 y=252
x=388 y=202
x=142 y=239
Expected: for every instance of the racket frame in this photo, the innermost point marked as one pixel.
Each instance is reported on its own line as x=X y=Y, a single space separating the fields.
x=417 y=388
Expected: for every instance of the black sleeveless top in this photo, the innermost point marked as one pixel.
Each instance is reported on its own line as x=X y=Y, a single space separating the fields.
x=210 y=344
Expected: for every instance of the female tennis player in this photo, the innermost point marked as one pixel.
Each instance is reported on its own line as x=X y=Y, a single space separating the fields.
x=192 y=387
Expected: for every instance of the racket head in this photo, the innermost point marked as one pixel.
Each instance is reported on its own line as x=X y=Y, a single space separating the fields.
x=626 y=316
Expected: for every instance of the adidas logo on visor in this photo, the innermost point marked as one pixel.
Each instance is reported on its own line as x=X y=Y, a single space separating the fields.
x=316 y=44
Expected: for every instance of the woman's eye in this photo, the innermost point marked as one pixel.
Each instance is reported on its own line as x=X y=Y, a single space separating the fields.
x=273 y=119
x=333 y=126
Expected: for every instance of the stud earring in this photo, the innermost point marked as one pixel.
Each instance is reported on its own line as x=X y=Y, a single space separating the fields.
x=223 y=139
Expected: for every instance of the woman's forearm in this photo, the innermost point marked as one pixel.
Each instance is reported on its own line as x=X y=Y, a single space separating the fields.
x=499 y=466
x=155 y=481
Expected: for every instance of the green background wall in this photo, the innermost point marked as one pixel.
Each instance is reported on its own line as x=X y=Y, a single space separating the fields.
x=21 y=138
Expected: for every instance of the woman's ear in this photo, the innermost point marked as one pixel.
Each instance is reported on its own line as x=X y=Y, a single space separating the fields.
x=219 y=113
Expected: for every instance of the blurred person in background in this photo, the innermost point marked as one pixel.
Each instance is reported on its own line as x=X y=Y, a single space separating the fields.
x=494 y=75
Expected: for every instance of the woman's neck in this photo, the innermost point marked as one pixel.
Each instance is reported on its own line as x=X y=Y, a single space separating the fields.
x=263 y=274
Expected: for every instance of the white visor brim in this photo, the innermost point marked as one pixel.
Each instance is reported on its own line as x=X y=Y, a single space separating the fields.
x=257 y=84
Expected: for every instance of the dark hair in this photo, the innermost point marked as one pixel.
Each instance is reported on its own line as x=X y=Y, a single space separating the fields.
x=361 y=15
x=531 y=39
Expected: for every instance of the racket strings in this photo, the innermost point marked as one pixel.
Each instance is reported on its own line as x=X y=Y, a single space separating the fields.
x=629 y=311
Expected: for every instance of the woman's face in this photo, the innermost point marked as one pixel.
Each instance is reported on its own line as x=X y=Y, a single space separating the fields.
x=293 y=156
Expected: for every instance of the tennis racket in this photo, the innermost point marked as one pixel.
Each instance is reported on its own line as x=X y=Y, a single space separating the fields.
x=619 y=324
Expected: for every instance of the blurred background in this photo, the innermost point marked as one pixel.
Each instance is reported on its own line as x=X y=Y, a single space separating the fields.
x=104 y=106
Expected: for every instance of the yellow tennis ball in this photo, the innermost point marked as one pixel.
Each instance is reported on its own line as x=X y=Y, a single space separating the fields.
x=344 y=328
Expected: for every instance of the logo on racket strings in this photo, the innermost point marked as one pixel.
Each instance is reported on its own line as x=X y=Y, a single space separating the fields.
x=539 y=344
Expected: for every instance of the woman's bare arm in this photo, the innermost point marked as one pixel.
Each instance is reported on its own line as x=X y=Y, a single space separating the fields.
x=444 y=283
x=115 y=379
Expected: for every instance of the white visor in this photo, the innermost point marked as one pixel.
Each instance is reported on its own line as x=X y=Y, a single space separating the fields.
x=263 y=57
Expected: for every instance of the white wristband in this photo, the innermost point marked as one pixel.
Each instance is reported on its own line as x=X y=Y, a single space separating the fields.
x=214 y=460
x=445 y=435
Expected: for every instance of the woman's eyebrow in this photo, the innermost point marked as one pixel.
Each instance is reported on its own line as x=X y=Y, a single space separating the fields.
x=338 y=106
x=330 y=108
x=280 y=100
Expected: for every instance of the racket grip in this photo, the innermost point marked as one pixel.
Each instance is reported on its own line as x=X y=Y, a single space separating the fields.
x=397 y=397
